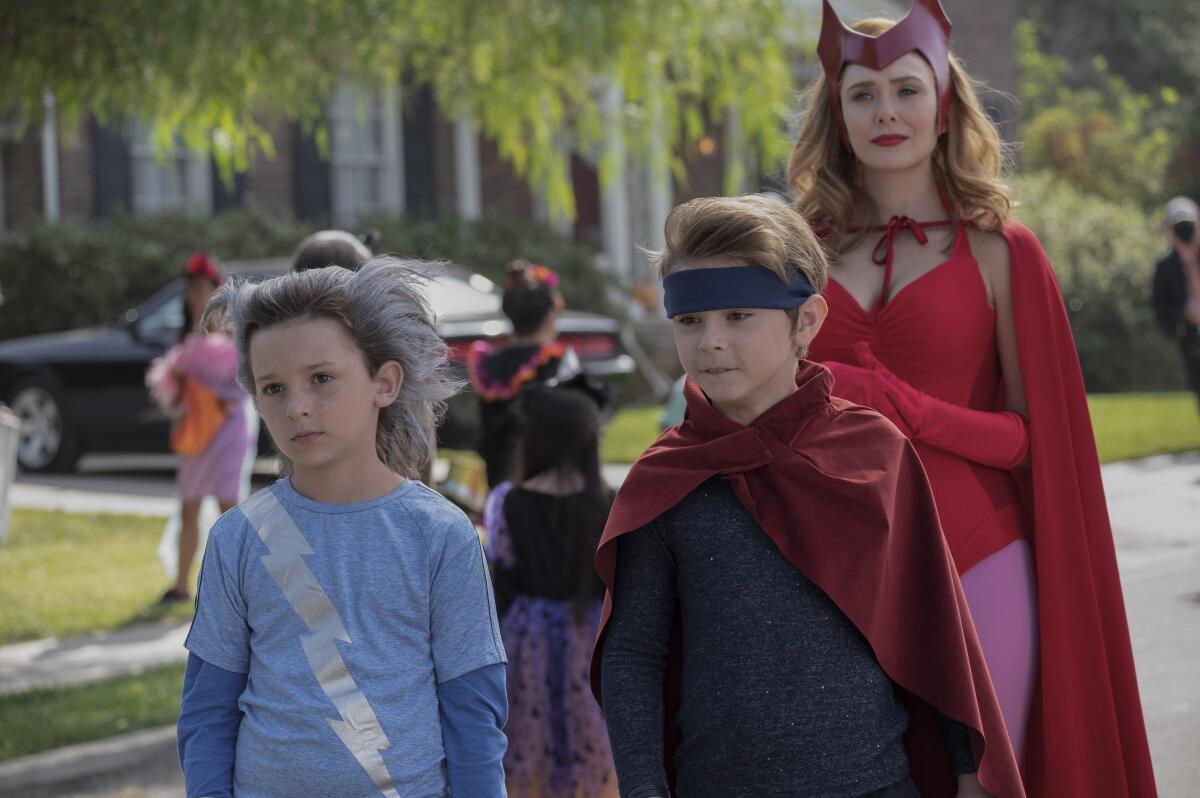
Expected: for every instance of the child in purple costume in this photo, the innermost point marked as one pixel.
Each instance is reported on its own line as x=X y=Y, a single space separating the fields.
x=542 y=531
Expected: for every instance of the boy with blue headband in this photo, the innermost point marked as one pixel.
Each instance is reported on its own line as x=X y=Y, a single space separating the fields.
x=783 y=617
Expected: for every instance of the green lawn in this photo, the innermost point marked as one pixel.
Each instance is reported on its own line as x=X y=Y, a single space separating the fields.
x=66 y=573
x=629 y=433
x=1127 y=426
x=63 y=574
x=44 y=719
x=1133 y=425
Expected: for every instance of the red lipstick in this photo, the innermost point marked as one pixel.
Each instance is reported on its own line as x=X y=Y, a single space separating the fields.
x=889 y=140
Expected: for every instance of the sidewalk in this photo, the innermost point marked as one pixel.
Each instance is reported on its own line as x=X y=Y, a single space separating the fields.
x=55 y=663
x=1154 y=505
x=52 y=662
x=91 y=494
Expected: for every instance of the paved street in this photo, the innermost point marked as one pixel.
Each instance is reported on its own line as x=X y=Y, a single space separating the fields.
x=1155 y=509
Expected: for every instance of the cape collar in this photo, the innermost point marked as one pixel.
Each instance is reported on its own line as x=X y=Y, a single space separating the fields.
x=814 y=383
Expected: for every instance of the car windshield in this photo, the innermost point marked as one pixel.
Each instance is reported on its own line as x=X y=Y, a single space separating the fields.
x=163 y=319
x=452 y=297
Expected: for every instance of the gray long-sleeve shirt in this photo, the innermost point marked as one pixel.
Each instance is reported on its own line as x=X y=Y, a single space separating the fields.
x=781 y=695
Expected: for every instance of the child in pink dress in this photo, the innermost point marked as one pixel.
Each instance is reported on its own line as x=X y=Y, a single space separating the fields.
x=217 y=470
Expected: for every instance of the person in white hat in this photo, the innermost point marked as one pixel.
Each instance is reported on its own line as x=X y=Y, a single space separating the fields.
x=1177 y=285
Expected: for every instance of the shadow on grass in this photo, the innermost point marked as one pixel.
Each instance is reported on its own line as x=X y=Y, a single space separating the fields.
x=156 y=613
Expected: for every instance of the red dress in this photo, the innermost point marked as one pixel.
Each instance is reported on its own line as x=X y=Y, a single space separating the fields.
x=1086 y=734
x=939 y=335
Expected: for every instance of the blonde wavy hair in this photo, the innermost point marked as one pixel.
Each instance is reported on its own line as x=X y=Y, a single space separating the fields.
x=967 y=161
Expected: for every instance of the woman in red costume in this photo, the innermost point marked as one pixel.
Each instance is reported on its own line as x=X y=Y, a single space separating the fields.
x=945 y=316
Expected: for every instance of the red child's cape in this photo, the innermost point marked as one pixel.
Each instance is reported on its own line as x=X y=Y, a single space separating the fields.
x=874 y=546
x=1086 y=732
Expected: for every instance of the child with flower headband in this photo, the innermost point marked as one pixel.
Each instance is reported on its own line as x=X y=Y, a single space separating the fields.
x=531 y=356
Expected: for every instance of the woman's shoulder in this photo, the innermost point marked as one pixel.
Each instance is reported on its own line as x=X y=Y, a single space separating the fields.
x=990 y=248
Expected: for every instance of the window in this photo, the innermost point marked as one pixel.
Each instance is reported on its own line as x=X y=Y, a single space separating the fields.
x=164 y=321
x=179 y=179
x=365 y=155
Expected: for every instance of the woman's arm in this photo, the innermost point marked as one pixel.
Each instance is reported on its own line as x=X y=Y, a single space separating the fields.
x=995 y=263
x=999 y=439
x=207 y=730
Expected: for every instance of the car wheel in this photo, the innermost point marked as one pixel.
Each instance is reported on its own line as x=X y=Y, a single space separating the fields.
x=46 y=442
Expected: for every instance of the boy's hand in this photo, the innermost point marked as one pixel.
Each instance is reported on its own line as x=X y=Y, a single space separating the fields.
x=969 y=787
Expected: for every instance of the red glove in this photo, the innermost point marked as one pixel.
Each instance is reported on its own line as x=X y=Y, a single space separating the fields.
x=865 y=387
x=997 y=439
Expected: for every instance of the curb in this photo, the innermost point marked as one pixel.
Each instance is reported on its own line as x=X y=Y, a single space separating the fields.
x=85 y=760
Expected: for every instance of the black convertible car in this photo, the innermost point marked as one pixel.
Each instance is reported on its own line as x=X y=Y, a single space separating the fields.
x=82 y=391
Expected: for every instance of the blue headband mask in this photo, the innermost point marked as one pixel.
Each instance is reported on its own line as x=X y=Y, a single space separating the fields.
x=698 y=290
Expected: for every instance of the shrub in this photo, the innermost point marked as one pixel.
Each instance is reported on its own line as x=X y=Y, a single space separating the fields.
x=1103 y=252
x=56 y=276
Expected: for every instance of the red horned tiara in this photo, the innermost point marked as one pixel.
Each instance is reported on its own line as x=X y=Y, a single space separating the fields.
x=926 y=30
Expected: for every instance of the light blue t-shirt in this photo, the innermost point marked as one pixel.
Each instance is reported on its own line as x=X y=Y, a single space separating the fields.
x=345 y=617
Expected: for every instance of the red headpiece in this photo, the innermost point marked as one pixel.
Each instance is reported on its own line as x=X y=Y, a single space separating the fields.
x=926 y=30
x=200 y=265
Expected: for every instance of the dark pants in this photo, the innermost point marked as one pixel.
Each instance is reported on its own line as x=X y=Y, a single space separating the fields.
x=901 y=789
x=1190 y=349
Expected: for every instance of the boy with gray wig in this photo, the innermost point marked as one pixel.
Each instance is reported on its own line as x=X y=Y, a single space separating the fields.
x=345 y=639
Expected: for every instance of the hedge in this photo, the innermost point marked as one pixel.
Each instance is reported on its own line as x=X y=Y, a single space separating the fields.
x=60 y=276
x=55 y=277
x=1103 y=253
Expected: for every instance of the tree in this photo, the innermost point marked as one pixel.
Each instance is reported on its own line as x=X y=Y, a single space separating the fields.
x=1152 y=44
x=1099 y=135
x=527 y=72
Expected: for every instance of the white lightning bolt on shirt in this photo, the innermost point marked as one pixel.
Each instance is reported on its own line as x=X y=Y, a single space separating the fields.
x=359 y=728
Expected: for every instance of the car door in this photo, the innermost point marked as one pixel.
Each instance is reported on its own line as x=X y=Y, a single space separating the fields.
x=115 y=410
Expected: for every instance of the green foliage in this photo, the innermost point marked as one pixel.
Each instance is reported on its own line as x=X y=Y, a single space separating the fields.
x=1103 y=252
x=54 y=277
x=42 y=720
x=529 y=72
x=57 y=276
x=1152 y=44
x=1099 y=135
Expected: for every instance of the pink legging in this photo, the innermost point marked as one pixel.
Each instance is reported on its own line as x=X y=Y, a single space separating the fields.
x=1002 y=594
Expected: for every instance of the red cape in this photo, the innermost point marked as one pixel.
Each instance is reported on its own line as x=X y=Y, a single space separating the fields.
x=1086 y=733
x=886 y=563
